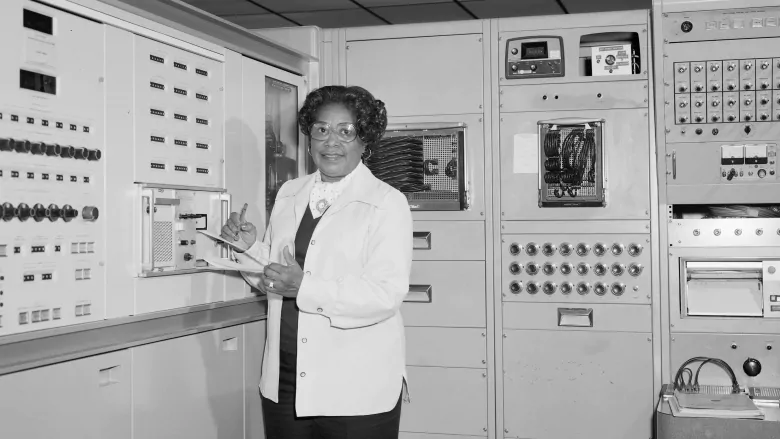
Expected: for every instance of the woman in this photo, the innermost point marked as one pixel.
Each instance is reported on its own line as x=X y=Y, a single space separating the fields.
x=334 y=362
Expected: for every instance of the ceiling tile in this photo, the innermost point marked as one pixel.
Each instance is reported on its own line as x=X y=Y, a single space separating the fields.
x=258 y=21
x=336 y=19
x=380 y=3
x=282 y=6
x=513 y=8
x=422 y=13
x=226 y=7
x=579 y=6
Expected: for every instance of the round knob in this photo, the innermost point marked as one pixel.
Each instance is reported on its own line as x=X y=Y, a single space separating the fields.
x=531 y=249
x=764 y=85
x=683 y=119
x=697 y=69
x=748 y=101
x=732 y=86
x=748 y=85
x=752 y=367
x=761 y=173
x=732 y=67
x=515 y=268
x=600 y=289
x=699 y=118
x=23 y=212
x=39 y=212
x=566 y=249
x=583 y=268
x=68 y=212
x=549 y=288
x=90 y=213
x=748 y=65
x=617 y=269
x=7 y=211
x=549 y=268
x=566 y=268
x=682 y=69
x=715 y=102
x=764 y=116
x=699 y=103
x=765 y=65
x=748 y=117
x=635 y=269
x=618 y=289
x=53 y=212
x=81 y=153
x=566 y=288
x=715 y=87
x=634 y=249
x=514 y=51
x=515 y=287
x=600 y=269
x=52 y=149
x=583 y=249
x=67 y=152
x=532 y=288
x=714 y=67
x=532 y=269
x=6 y=144
x=764 y=101
x=95 y=155
x=715 y=118
x=515 y=249
x=683 y=104
x=683 y=88
x=187 y=257
x=22 y=146
x=38 y=148
x=699 y=87
x=599 y=249
x=533 y=67
x=732 y=118
x=548 y=249
x=617 y=249
x=583 y=288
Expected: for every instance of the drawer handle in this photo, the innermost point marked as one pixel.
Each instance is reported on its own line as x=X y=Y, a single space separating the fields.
x=577 y=317
x=420 y=294
x=422 y=240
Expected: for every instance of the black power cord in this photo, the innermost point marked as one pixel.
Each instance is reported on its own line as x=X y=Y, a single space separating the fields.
x=693 y=379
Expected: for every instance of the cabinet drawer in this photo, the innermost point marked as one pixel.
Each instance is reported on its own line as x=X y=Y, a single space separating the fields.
x=578 y=316
x=449 y=241
x=447 y=293
x=446 y=401
x=455 y=347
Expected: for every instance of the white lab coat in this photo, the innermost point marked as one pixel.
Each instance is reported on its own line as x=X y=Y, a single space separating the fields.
x=351 y=343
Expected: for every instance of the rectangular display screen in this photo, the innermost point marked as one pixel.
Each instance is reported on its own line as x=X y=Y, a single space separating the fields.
x=37 y=82
x=536 y=50
x=35 y=21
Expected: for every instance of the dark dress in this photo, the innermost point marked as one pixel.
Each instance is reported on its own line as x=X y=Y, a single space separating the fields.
x=280 y=419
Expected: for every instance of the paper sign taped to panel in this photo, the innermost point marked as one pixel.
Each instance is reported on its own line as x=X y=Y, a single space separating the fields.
x=526 y=153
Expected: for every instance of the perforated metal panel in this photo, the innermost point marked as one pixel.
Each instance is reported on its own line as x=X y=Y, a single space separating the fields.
x=443 y=150
x=162 y=234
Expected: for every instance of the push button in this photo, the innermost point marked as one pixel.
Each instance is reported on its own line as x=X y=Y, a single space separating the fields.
x=319 y=309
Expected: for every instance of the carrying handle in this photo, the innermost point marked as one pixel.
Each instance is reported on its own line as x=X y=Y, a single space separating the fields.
x=147 y=219
x=674 y=165
x=420 y=294
x=421 y=240
x=575 y=317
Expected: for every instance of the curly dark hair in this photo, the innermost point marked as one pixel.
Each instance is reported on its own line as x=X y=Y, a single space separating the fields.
x=370 y=113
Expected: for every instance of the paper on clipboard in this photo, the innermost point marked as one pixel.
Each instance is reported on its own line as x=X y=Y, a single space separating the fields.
x=225 y=264
x=525 y=158
x=220 y=239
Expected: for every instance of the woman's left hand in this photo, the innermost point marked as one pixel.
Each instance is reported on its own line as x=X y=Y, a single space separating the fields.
x=283 y=279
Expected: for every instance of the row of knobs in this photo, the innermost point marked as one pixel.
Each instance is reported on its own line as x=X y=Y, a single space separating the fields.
x=748 y=117
x=566 y=249
x=548 y=268
x=732 y=102
x=566 y=288
x=731 y=87
x=731 y=67
x=39 y=212
x=49 y=149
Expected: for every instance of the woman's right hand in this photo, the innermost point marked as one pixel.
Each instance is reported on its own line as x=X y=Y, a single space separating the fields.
x=237 y=230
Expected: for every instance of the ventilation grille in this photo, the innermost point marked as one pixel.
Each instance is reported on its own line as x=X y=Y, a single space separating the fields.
x=162 y=232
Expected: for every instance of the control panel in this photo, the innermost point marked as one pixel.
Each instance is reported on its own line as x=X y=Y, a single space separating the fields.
x=534 y=57
x=51 y=170
x=748 y=162
x=576 y=268
x=178 y=116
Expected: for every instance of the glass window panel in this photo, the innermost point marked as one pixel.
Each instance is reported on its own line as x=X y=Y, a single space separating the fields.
x=281 y=136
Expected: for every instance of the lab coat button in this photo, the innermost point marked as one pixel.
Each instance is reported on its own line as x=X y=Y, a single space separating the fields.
x=303 y=374
x=303 y=340
x=319 y=309
x=313 y=242
x=308 y=273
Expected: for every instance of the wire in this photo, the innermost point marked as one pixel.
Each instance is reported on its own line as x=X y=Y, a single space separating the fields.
x=679 y=380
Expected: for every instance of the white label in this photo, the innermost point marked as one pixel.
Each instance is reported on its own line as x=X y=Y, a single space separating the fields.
x=526 y=154
x=555 y=54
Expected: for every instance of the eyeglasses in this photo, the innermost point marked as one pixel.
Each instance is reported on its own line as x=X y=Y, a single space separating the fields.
x=346 y=132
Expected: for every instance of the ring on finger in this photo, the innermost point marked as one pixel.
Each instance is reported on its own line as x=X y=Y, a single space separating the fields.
x=271 y=284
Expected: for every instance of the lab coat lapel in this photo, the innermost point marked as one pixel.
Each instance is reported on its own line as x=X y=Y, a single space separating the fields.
x=359 y=189
x=302 y=200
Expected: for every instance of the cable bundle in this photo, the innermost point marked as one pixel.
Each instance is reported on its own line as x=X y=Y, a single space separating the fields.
x=398 y=161
x=741 y=211
x=571 y=162
x=693 y=380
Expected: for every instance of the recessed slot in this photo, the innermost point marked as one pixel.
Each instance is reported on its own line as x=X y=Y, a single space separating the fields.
x=158 y=59
x=14 y=118
x=59 y=125
x=200 y=145
x=201 y=96
x=44 y=315
x=181 y=142
x=179 y=65
x=158 y=139
x=202 y=170
x=3 y=250
x=158 y=166
x=202 y=121
x=181 y=168
x=74 y=179
x=178 y=116
x=86 y=179
x=31 y=120
x=43 y=122
x=60 y=177
x=37 y=82
x=31 y=175
x=37 y=21
x=28 y=277
x=36 y=316
x=180 y=91
x=38 y=249
x=156 y=112
x=74 y=127
x=57 y=248
x=85 y=129
x=14 y=174
x=47 y=276
x=56 y=313
x=44 y=176
x=157 y=85
x=17 y=250
x=201 y=72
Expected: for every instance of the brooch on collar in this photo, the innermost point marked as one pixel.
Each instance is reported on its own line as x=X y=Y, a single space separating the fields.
x=322 y=205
